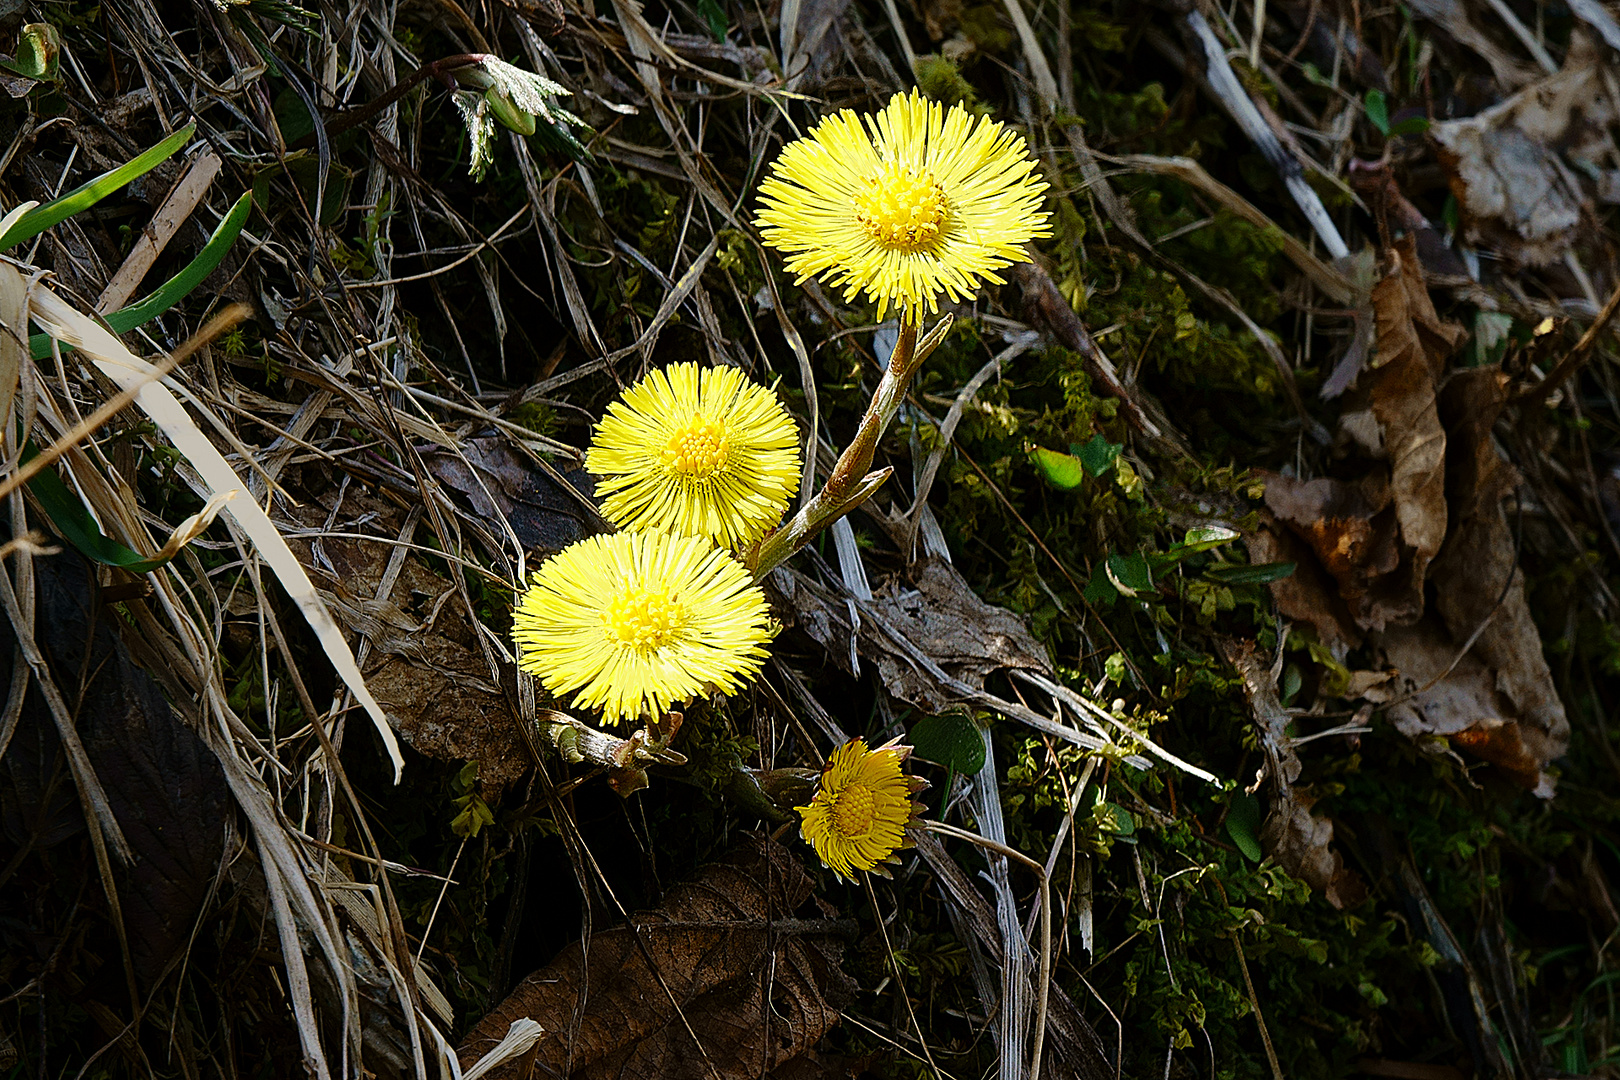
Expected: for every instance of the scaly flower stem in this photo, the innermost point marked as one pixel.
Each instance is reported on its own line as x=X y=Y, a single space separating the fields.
x=850 y=483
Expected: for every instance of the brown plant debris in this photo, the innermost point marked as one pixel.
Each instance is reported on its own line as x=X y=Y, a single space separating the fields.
x=725 y=978
x=1300 y=841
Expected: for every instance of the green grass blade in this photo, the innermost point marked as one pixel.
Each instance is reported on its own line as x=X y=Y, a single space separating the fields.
x=75 y=525
x=88 y=194
x=174 y=290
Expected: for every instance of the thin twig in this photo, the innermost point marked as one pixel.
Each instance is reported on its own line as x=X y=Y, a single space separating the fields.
x=1576 y=356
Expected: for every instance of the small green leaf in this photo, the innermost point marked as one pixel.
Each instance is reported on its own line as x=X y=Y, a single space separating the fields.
x=1124 y=823
x=1258 y=574
x=1099 y=590
x=715 y=16
x=39 y=51
x=1243 y=826
x=1062 y=470
x=951 y=740
x=88 y=194
x=1292 y=680
x=1098 y=455
x=1206 y=538
x=1377 y=107
x=1129 y=573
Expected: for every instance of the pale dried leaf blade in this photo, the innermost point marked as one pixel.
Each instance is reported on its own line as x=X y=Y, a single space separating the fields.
x=63 y=322
x=195 y=525
x=519 y=1038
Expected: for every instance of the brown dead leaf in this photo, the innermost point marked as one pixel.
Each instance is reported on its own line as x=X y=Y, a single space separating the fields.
x=1464 y=707
x=1514 y=168
x=1302 y=844
x=1478 y=568
x=940 y=614
x=501 y=484
x=1377 y=533
x=425 y=667
x=755 y=985
x=1307 y=595
x=1498 y=702
x=1352 y=529
x=1411 y=351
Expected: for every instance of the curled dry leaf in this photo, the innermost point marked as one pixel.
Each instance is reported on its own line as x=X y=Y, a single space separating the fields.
x=1514 y=167
x=757 y=985
x=1424 y=506
x=1377 y=533
x=1498 y=701
x=1412 y=346
x=1308 y=595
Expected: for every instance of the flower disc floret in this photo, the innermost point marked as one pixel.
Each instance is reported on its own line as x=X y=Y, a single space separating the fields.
x=908 y=205
x=857 y=818
x=635 y=623
x=699 y=452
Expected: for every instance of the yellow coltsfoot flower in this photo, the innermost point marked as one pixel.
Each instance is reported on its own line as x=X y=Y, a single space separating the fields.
x=696 y=451
x=857 y=818
x=634 y=623
x=914 y=203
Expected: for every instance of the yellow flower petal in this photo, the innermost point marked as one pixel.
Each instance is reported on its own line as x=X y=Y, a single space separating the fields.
x=699 y=452
x=639 y=622
x=918 y=202
x=857 y=818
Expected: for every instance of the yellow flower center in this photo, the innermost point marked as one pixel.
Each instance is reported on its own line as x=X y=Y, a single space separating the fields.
x=697 y=450
x=853 y=810
x=902 y=207
x=643 y=619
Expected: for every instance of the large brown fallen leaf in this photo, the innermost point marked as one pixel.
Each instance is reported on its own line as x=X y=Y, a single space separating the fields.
x=1514 y=168
x=163 y=784
x=727 y=960
x=1498 y=701
x=1477 y=566
x=1377 y=530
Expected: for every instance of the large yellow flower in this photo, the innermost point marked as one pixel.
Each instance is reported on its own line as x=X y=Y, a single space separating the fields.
x=639 y=622
x=697 y=451
x=857 y=818
x=916 y=202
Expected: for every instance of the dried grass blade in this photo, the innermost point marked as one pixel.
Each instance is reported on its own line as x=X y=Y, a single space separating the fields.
x=13 y=335
x=62 y=321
